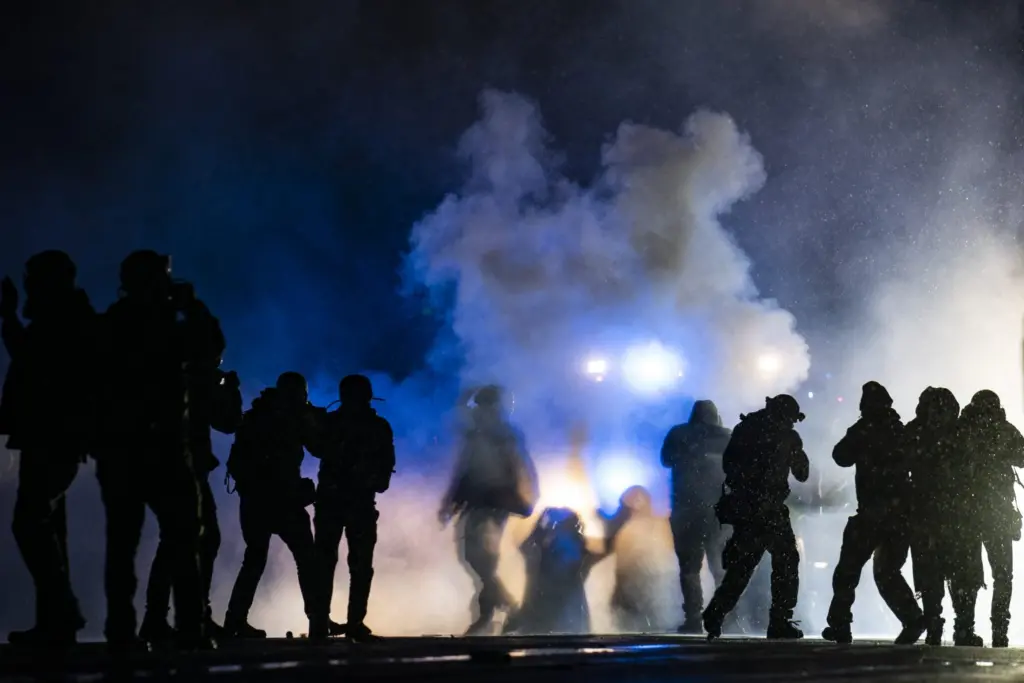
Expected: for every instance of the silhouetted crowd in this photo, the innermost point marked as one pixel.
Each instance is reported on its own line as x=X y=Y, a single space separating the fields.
x=149 y=389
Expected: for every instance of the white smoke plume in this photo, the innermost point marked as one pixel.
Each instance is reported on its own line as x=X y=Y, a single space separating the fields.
x=546 y=268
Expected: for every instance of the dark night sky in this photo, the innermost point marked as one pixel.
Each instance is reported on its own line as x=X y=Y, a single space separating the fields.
x=281 y=151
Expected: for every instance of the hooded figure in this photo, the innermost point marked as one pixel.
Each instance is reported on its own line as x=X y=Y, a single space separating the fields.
x=937 y=470
x=874 y=445
x=993 y=448
x=54 y=353
x=762 y=453
x=693 y=453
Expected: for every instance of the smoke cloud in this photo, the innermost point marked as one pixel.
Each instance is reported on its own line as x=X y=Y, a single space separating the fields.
x=546 y=269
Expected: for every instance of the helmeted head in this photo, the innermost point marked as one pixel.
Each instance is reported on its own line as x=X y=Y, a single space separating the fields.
x=51 y=270
x=705 y=412
x=986 y=404
x=559 y=520
x=874 y=398
x=147 y=274
x=784 y=408
x=293 y=389
x=49 y=276
x=355 y=390
x=489 y=396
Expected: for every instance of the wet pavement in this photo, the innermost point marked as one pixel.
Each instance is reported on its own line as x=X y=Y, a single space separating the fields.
x=530 y=660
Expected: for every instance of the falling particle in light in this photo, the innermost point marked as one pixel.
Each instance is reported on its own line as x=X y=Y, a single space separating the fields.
x=840 y=399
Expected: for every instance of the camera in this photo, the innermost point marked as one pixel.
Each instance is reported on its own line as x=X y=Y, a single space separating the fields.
x=183 y=294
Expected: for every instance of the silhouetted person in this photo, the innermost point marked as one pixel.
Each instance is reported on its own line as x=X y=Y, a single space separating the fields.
x=935 y=459
x=645 y=567
x=693 y=451
x=356 y=449
x=143 y=458
x=993 y=447
x=214 y=402
x=484 y=491
x=50 y=356
x=874 y=445
x=265 y=462
x=763 y=451
x=558 y=561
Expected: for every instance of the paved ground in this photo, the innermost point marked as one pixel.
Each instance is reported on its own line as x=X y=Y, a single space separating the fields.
x=533 y=660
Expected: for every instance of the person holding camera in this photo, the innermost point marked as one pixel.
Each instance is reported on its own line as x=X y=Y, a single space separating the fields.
x=265 y=462
x=143 y=455
x=214 y=402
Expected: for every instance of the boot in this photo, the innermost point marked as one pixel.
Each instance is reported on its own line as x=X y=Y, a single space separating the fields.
x=319 y=628
x=482 y=626
x=242 y=631
x=156 y=630
x=783 y=629
x=912 y=630
x=841 y=635
x=713 y=624
x=1000 y=630
x=964 y=603
x=359 y=633
x=44 y=637
x=692 y=626
x=934 y=633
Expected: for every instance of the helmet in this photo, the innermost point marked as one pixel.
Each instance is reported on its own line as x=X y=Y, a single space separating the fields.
x=144 y=270
x=786 y=407
x=356 y=389
x=52 y=265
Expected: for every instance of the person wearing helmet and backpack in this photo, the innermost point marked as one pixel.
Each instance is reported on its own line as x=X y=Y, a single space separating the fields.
x=762 y=453
x=356 y=449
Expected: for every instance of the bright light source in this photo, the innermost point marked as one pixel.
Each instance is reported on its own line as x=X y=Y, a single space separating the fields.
x=597 y=366
x=769 y=363
x=810 y=394
x=821 y=565
x=651 y=368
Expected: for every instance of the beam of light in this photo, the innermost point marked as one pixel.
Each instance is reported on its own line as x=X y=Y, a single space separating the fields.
x=597 y=367
x=769 y=364
x=616 y=473
x=651 y=368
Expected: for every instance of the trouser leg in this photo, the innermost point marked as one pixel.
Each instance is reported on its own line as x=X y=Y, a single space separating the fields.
x=858 y=544
x=256 y=532
x=785 y=568
x=481 y=549
x=329 y=527
x=209 y=542
x=890 y=556
x=125 y=512
x=173 y=495
x=688 y=539
x=40 y=531
x=1000 y=558
x=362 y=538
x=740 y=558
x=298 y=536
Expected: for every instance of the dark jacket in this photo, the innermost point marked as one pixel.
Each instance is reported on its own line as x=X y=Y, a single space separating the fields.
x=356 y=448
x=49 y=395
x=993 y=447
x=934 y=455
x=146 y=387
x=761 y=454
x=693 y=451
x=266 y=457
x=874 y=445
x=493 y=466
